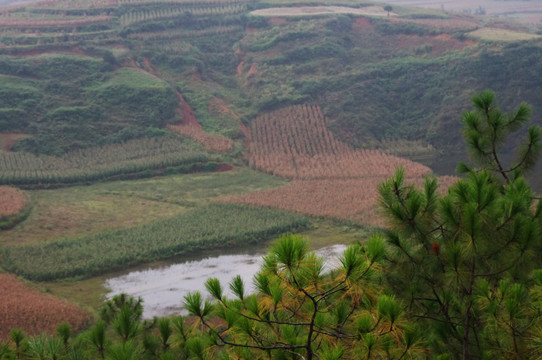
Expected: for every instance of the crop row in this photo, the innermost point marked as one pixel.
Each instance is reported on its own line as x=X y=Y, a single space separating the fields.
x=211 y=226
x=33 y=23
x=212 y=142
x=184 y=2
x=27 y=308
x=295 y=143
x=98 y=163
x=139 y=16
x=186 y=34
x=354 y=200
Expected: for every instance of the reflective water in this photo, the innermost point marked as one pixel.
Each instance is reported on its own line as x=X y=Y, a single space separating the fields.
x=163 y=288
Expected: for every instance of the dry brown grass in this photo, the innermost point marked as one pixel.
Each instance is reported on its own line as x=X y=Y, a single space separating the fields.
x=24 y=307
x=12 y=201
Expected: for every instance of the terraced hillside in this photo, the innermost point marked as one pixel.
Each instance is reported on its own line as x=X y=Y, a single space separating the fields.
x=321 y=99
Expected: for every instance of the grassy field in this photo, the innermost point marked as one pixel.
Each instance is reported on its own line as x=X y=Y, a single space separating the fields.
x=85 y=210
x=205 y=227
x=495 y=34
x=91 y=293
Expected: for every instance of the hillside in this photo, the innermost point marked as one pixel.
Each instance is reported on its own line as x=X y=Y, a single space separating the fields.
x=91 y=73
x=142 y=130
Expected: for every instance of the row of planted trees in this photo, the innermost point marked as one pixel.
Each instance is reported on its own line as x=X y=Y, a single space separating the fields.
x=452 y=277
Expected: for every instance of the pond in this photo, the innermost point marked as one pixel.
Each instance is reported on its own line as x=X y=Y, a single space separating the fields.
x=163 y=288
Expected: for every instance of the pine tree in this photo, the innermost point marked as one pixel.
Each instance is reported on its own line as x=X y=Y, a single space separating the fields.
x=462 y=262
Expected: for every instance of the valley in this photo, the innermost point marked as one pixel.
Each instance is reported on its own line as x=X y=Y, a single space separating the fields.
x=139 y=133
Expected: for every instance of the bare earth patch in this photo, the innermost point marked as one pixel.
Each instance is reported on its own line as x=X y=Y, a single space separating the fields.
x=34 y=312
x=12 y=201
x=495 y=34
x=7 y=140
x=321 y=10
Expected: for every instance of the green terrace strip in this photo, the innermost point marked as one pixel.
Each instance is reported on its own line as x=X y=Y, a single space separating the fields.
x=206 y=227
x=134 y=158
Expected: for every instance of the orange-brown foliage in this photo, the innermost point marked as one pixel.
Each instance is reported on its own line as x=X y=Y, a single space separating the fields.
x=211 y=142
x=295 y=143
x=330 y=179
x=24 y=307
x=354 y=200
x=12 y=201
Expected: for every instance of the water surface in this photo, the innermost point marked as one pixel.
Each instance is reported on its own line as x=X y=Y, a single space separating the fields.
x=163 y=288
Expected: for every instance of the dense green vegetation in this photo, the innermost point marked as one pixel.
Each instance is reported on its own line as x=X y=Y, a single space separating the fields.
x=455 y=276
x=135 y=158
x=212 y=226
x=107 y=80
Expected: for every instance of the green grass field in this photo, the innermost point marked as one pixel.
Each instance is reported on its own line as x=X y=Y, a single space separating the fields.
x=206 y=227
x=84 y=210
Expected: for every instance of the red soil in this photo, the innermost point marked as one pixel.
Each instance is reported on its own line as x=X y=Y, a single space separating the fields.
x=24 y=307
x=223 y=168
x=362 y=23
x=187 y=113
x=253 y=70
x=7 y=140
x=277 y=20
x=12 y=201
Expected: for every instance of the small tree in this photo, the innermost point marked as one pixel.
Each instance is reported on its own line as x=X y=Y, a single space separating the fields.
x=388 y=8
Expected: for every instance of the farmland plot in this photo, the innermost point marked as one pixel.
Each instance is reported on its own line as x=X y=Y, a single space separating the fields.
x=34 y=312
x=329 y=178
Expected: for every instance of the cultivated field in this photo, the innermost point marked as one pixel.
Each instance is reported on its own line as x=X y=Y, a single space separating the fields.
x=212 y=142
x=495 y=34
x=34 y=312
x=12 y=201
x=97 y=163
x=14 y=207
x=330 y=179
x=321 y=10
x=295 y=143
x=207 y=227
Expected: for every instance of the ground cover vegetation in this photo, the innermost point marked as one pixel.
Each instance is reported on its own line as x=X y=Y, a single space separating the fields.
x=464 y=267
x=205 y=227
x=99 y=67
x=82 y=78
x=330 y=179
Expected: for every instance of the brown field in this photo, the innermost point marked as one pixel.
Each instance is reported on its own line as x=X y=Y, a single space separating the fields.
x=330 y=179
x=12 y=201
x=295 y=143
x=34 y=312
x=354 y=200
x=13 y=22
x=320 y=10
